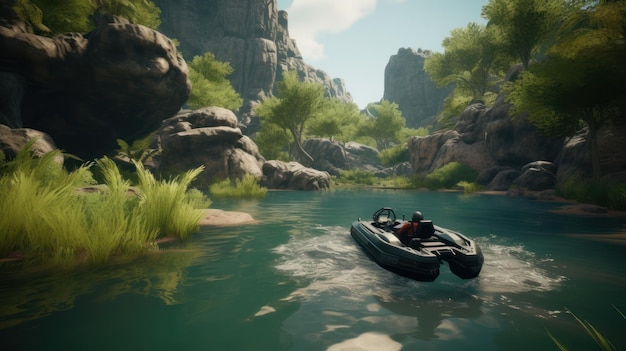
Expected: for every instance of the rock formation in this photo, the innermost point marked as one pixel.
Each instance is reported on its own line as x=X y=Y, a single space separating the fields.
x=293 y=175
x=512 y=152
x=252 y=35
x=86 y=91
x=206 y=137
x=408 y=85
x=489 y=140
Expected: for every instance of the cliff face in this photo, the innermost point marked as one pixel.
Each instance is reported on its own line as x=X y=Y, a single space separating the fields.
x=252 y=35
x=408 y=85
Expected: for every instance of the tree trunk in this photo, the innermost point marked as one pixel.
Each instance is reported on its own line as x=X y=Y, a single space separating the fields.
x=306 y=159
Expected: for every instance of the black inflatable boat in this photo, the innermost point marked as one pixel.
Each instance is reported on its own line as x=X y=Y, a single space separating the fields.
x=420 y=256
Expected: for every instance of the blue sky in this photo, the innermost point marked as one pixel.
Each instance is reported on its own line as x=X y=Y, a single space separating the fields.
x=354 y=39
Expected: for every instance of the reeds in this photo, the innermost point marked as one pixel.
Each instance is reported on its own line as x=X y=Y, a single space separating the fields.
x=46 y=220
x=602 y=341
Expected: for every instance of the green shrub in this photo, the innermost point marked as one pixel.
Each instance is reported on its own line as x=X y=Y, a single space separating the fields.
x=470 y=187
x=246 y=187
x=448 y=176
x=357 y=176
x=598 y=192
x=394 y=155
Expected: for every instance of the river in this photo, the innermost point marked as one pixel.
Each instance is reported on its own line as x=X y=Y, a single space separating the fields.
x=296 y=280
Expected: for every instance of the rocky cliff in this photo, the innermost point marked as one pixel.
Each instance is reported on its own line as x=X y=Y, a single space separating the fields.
x=252 y=35
x=87 y=90
x=408 y=85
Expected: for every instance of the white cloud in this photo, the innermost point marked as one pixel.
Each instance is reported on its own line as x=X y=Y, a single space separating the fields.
x=308 y=19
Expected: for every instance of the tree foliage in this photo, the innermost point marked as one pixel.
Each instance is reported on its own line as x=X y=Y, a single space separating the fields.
x=336 y=120
x=386 y=127
x=209 y=84
x=471 y=61
x=524 y=26
x=297 y=102
x=580 y=80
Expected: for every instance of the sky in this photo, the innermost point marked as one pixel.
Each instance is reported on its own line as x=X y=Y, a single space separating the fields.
x=354 y=39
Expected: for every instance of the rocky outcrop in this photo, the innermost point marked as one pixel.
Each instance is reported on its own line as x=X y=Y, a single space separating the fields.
x=86 y=91
x=574 y=162
x=487 y=139
x=252 y=35
x=408 y=85
x=293 y=175
x=206 y=137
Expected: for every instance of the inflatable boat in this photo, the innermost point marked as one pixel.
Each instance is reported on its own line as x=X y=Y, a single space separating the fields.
x=420 y=254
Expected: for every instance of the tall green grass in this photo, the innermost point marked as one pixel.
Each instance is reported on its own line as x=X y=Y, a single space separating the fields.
x=247 y=188
x=46 y=220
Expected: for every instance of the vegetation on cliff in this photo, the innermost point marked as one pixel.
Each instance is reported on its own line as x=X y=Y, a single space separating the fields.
x=49 y=17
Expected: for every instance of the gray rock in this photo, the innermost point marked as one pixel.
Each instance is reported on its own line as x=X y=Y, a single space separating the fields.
x=486 y=175
x=13 y=140
x=535 y=179
x=503 y=180
x=206 y=137
x=86 y=91
x=293 y=176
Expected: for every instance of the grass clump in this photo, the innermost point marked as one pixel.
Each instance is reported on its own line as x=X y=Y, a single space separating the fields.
x=46 y=220
x=245 y=188
x=357 y=177
x=595 y=192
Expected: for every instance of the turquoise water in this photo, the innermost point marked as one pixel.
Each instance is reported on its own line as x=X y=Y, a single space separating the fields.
x=297 y=281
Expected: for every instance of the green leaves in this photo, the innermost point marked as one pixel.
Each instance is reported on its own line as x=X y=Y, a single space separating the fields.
x=210 y=87
x=62 y=16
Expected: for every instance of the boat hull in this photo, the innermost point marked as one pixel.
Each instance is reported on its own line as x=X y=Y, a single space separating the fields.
x=421 y=260
x=405 y=261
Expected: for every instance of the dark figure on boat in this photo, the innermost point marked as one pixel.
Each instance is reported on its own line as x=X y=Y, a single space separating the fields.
x=408 y=229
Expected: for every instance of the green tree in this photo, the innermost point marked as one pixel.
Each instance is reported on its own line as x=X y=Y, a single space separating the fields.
x=581 y=80
x=209 y=84
x=297 y=102
x=471 y=60
x=386 y=127
x=474 y=62
x=524 y=26
x=336 y=120
x=272 y=141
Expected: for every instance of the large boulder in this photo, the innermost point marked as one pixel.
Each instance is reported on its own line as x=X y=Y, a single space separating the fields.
x=574 y=162
x=293 y=176
x=86 y=91
x=435 y=151
x=327 y=155
x=206 y=137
